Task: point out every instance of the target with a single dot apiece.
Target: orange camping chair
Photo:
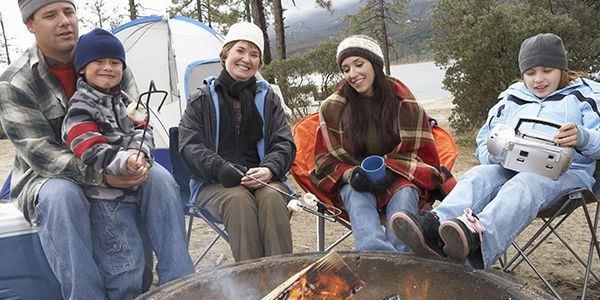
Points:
(304, 133)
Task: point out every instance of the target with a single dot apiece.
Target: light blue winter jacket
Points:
(577, 103)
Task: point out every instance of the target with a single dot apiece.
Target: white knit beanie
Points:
(246, 31)
(360, 45)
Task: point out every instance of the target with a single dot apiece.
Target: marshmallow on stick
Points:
(139, 114)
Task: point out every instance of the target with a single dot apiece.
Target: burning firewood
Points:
(328, 278)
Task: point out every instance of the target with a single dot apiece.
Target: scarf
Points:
(244, 91)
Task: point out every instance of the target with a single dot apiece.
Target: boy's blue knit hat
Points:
(96, 44)
(544, 50)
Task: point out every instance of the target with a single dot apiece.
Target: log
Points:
(328, 278)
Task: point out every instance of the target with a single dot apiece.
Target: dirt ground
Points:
(564, 272)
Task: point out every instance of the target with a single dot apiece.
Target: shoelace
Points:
(472, 222)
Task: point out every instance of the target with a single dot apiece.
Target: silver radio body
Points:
(521, 149)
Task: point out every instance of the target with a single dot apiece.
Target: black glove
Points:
(385, 182)
(359, 181)
(229, 176)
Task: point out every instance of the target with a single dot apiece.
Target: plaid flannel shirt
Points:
(32, 108)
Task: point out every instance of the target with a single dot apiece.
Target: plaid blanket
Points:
(415, 159)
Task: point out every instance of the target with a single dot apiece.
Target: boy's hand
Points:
(133, 164)
(137, 165)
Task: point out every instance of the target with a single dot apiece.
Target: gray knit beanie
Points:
(360, 45)
(29, 7)
(545, 50)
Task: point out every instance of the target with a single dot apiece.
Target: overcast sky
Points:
(19, 36)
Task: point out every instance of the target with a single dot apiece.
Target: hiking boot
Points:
(418, 232)
(462, 236)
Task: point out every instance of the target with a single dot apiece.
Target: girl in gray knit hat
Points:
(374, 117)
(497, 203)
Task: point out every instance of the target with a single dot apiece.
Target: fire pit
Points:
(383, 274)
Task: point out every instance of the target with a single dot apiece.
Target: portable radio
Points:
(528, 150)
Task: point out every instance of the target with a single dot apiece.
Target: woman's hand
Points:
(567, 134)
(261, 173)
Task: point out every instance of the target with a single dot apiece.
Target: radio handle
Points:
(536, 120)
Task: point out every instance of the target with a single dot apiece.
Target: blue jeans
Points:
(366, 223)
(94, 247)
(505, 202)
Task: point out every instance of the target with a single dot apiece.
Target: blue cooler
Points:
(24, 270)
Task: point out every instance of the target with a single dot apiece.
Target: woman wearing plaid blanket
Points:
(374, 114)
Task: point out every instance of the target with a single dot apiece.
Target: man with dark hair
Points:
(48, 178)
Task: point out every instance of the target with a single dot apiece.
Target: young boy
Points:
(97, 127)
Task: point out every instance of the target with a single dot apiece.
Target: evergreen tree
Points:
(479, 44)
(100, 15)
(375, 19)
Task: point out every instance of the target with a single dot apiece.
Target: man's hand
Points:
(125, 181)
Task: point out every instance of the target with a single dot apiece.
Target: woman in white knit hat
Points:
(490, 205)
(235, 126)
(374, 114)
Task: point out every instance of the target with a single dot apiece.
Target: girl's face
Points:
(242, 61)
(103, 73)
(359, 73)
(542, 81)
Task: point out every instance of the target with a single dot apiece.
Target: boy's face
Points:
(103, 73)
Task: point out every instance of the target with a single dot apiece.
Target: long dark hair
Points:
(385, 108)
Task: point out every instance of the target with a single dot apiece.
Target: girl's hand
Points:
(566, 135)
(261, 173)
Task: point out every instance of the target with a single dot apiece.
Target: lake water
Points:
(423, 79)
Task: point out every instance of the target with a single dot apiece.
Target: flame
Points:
(412, 289)
(326, 285)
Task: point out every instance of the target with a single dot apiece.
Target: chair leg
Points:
(189, 231)
(207, 249)
(593, 242)
(320, 234)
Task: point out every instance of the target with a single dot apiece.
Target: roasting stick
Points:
(295, 204)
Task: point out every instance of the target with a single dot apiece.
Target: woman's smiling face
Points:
(542, 81)
(359, 73)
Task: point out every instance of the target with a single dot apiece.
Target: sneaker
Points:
(418, 232)
(462, 236)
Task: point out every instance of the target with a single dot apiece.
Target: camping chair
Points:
(552, 218)
(182, 177)
(304, 133)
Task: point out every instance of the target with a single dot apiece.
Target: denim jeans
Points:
(366, 223)
(94, 247)
(505, 202)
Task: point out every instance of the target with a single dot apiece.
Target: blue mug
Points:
(374, 168)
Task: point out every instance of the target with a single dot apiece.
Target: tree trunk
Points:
(248, 11)
(258, 15)
(5, 40)
(199, 9)
(279, 29)
(386, 55)
(132, 10)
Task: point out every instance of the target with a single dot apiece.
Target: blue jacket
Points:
(577, 103)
